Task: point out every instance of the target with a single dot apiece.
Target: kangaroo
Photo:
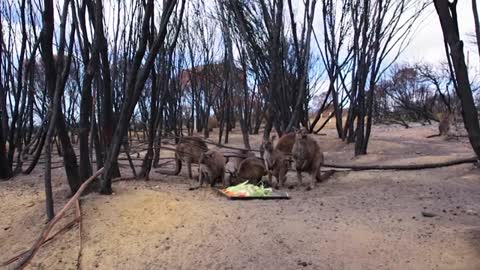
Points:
(444, 125)
(279, 168)
(276, 157)
(212, 166)
(189, 150)
(308, 157)
(252, 169)
(235, 157)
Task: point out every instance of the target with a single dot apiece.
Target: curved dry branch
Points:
(41, 239)
(354, 167)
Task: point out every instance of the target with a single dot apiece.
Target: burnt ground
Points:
(355, 220)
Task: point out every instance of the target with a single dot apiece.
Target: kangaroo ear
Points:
(303, 133)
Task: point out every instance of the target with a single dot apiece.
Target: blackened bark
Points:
(99, 150)
(69, 156)
(477, 23)
(303, 58)
(5, 169)
(244, 106)
(447, 15)
(86, 98)
(373, 75)
(31, 99)
(38, 151)
(56, 77)
(147, 161)
(106, 118)
(48, 177)
(56, 86)
(158, 136)
(154, 114)
(137, 78)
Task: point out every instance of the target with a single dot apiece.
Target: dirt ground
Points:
(355, 220)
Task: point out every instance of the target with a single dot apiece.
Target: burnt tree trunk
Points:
(59, 71)
(155, 112)
(147, 161)
(56, 75)
(448, 19)
(477, 23)
(244, 116)
(15, 128)
(137, 77)
(86, 96)
(107, 119)
(5, 169)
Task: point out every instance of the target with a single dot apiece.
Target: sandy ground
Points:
(355, 220)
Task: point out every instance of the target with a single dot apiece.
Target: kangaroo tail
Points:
(178, 165)
(325, 176)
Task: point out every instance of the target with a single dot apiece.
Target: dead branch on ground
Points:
(404, 167)
(78, 214)
(48, 240)
(36, 246)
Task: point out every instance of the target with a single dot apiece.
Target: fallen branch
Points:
(207, 141)
(79, 218)
(29, 255)
(48, 240)
(403, 167)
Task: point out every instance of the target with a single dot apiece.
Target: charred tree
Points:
(5, 169)
(447, 15)
(137, 77)
(477, 23)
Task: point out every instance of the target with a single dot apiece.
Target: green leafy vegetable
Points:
(245, 189)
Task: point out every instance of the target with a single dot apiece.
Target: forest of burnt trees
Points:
(77, 76)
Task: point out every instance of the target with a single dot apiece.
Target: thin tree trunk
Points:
(86, 97)
(55, 86)
(56, 81)
(99, 150)
(137, 79)
(48, 176)
(5, 169)
(126, 148)
(477, 23)
(147, 161)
